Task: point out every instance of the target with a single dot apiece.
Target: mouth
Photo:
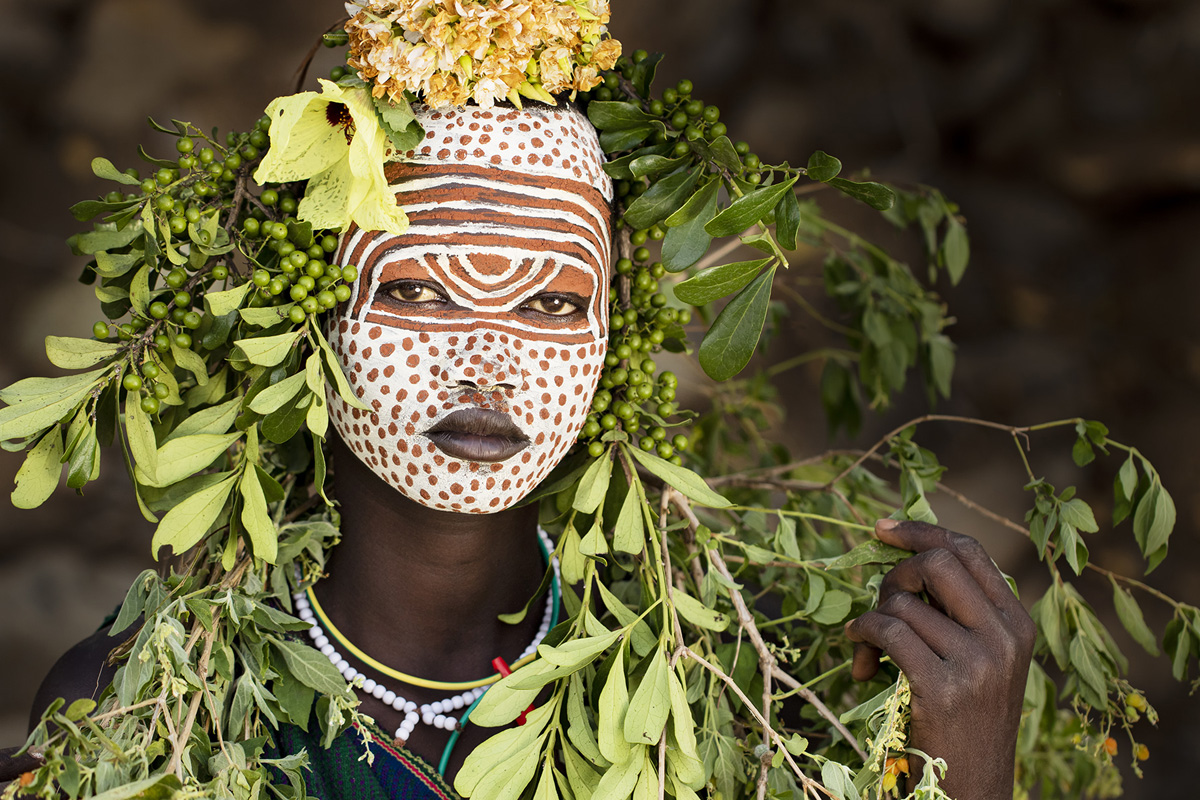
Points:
(476, 434)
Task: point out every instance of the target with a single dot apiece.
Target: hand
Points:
(966, 653)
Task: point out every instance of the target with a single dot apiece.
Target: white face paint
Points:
(477, 338)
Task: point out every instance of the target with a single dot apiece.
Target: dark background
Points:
(1068, 131)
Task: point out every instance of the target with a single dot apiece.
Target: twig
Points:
(770, 665)
(664, 504)
(186, 728)
(805, 781)
(1013, 430)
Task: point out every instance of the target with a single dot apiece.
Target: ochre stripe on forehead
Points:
(407, 177)
(473, 324)
(508, 220)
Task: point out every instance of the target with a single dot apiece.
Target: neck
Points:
(420, 590)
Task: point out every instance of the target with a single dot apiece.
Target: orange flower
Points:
(1110, 746)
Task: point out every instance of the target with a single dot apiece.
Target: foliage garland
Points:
(667, 675)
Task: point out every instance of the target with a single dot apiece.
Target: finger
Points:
(940, 633)
(948, 582)
(920, 537)
(866, 662)
(893, 636)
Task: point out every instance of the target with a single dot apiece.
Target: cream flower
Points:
(451, 52)
(334, 141)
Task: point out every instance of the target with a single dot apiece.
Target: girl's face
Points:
(477, 337)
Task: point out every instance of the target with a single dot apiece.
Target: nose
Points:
(483, 363)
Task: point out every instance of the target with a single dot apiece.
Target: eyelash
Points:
(394, 290)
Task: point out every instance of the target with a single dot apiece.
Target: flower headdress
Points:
(215, 271)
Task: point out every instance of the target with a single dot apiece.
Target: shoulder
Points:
(83, 671)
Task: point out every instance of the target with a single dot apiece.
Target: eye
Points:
(414, 292)
(555, 305)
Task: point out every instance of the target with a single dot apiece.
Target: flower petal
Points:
(303, 143)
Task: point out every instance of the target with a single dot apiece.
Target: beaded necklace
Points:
(324, 635)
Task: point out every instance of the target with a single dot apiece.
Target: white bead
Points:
(427, 718)
(439, 721)
(314, 632)
(467, 698)
(457, 702)
(379, 691)
(436, 707)
(327, 650)
(410, 708)
(307, 615)
(388, 697)
(451, 723)
(321, 641)
(369, 685)
(398, 703)
(342, 664)
(478, 692)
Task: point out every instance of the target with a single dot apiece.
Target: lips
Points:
(476, 434)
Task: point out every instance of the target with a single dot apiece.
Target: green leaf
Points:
(640, 636)
(941, 363)
(746, 211)
(835, 607)
(268, 351)
(1087, 664)
(629, 535)
(652, 165)
(38, 403)
(876, 195)
(160, 787)
(580, 729)
(733, 337)
(266, 316)
(956, 251)
(651, 703)
(310, 667)
(498, 749)
(611, 114)
(697, 613)
(334, 369)
(295, 700)
(683, 479)
(1130, 614)
(1127, 477)
(1078, 514)
(273, 398)
(264, 538)
(787, 221)
(594, 485)
(504, 702)
(869, 552)
(614, 702)
(663, 199)
(578, 652)
(823, 167)
(114, 265)
(103, 168)
(38, 477)
(717, 282)
(211, 420)
(186, 523)
(140, 431)
(183, 457)
(221, 303)
(399, 123)
(191, 361)
(687, 241)
(71, 353)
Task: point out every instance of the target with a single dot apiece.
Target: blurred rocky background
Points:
(1068, 130)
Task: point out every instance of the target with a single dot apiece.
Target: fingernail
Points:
(886, 524)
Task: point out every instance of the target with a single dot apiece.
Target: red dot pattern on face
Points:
(413, 367)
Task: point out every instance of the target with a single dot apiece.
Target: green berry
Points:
(161, 391)
(183, 300)
(315, 269)
(665, 450)
(176, 278)
(619, 375)
(164, 176)
(298, 258)
(326, 299)
(596, 449)
(131, 382)
(100, 330)
(162, 343)
(269, 197)
(641, 254)
(287, 204)
(251, 226)
(220, 272)
(329, 243)
(670, 96)
(646, 443)
(680, 441)
(296, 315)
(684, 87)
(342, 293)
(185, 144)
(608, 422)
(192, 320)
(349, 273)
(159, 310)
(591, 429)
(150, 370)
(178, 225)
(261, 277)
(298, 293)
(276, 287)
(679, 120)
(150, 405)
(718, 130)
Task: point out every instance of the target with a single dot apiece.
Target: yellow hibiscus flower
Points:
(333, 140)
